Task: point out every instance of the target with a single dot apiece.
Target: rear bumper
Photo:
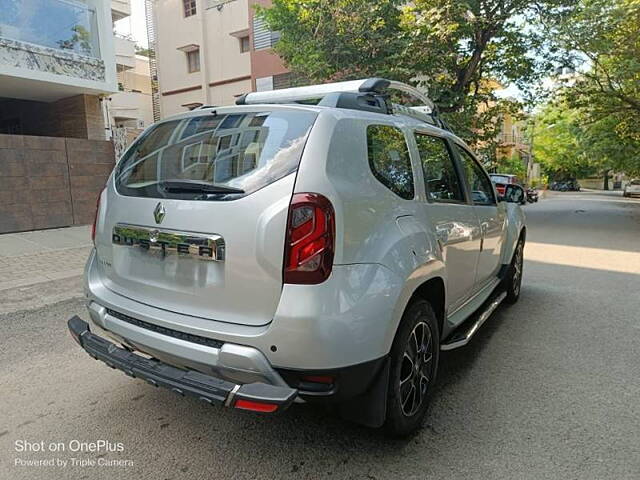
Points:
(347, 320)
(255, 396)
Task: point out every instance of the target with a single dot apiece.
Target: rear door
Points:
(196, 214)
(490, 215)
(451, 215)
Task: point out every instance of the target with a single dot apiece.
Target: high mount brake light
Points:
(95, 218)
(310, 240)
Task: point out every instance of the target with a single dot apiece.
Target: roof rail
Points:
(374, 87)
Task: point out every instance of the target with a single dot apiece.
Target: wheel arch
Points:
(428, 287)
(434, 292)
(523, 232)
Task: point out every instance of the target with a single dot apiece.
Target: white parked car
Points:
(310, 244)
(632, 188)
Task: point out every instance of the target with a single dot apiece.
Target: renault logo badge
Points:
(159, 213)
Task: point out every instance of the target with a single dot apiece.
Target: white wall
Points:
(221, 58)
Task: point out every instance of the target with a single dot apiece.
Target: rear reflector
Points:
(255, 406)
(326, 379)
(310, 239)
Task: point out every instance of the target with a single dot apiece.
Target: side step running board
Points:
(461, 337)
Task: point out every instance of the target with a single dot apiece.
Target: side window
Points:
(441, 180)
(389, 159)
(479, 183)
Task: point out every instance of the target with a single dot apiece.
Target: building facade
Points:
(130, 110)
(131, 106)
(56, 59)
(57, 64)
(211, 51)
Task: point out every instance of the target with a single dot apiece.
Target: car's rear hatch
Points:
(194, 217)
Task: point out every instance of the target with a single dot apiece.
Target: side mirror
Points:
(513, 194)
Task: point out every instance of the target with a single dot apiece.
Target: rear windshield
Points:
(240, 153)
(500, 179)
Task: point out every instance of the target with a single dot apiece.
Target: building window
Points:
(189, 7)
(193, 61)
(245, 46)
(262, 36)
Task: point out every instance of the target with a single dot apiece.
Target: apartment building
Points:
(514, 144)
(57, 63)
(211, 51)
(131, 106)
(130, 110)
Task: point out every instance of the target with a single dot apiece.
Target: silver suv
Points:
(313, 244)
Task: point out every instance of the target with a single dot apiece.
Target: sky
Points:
(135, 25)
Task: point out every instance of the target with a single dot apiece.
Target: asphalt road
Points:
(549, 388)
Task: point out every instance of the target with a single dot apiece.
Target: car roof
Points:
(405, 120)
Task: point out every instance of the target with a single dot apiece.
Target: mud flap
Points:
(370, 408)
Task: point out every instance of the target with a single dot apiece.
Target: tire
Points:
(513, 279)
(411, 369)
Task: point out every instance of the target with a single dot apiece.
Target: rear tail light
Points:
(95, 219)
(310, 239)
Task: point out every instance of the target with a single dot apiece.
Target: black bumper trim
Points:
(350, 381)
(184, 382)
(188, 337)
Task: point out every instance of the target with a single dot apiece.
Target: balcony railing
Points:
(67, 25)
(510, 138)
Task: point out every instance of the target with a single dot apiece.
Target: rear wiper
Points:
(187, 186)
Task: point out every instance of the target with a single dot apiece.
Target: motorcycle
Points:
(532, 195)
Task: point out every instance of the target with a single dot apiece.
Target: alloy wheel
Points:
(416, 370)
(517, 269)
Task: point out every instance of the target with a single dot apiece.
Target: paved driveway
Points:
(549, 389)
(33, 257)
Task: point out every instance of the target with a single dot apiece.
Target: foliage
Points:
(603, 38)
(569, 144)
(511, 164)
(599, 115)
(145, 52)
(81, 38)
(455, 50)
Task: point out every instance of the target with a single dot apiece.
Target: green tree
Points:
(455, 50)
(568, 143)
(555, 143)
(81, 37)
(512, 165)
(140, 50)
(602, 38)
